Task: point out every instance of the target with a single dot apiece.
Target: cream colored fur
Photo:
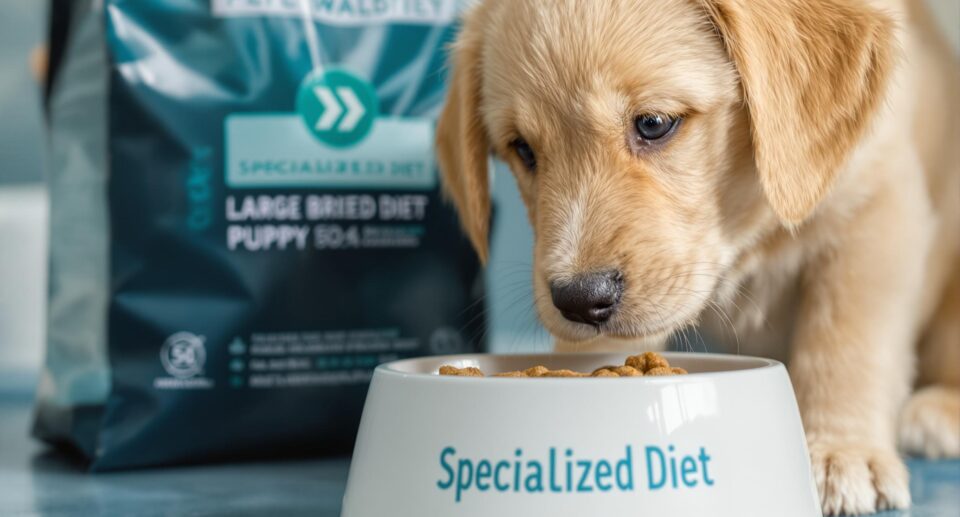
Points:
(810, 197)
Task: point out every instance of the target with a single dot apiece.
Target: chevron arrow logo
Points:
(331, 108)
(338, 107)
(355, 109)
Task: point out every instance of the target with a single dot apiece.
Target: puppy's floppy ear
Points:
(813, 73)
(462, 145)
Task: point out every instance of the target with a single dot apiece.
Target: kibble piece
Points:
(647, 361)
(604, 372)
(610, 368)
(627, 371)
(563, 373)
(469, 371)
(678, 371)
(655, 360)
(660, 370)
(536, 371)
(511, 374)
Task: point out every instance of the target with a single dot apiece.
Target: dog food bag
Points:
(246, 220)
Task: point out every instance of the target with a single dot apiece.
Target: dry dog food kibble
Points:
(648, 363)
(469, 371)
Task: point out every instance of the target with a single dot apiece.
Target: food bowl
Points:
(724, 440)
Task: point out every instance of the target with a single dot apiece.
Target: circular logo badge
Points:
(338, 107)
(183, 355)
(445, 340)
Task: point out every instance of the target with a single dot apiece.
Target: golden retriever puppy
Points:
(792, 164)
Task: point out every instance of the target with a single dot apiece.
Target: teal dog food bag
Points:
(246, 220)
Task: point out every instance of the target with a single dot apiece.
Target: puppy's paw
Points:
(854, 479)
(930, 423)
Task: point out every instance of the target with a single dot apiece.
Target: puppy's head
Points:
(654, 140)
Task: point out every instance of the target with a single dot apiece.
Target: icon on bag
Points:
(446, 340)
(237, 346)
(338, 107)
(183, 355)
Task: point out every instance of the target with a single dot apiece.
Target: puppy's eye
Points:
(652, 127)
(525, 153)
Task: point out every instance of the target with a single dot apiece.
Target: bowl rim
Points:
(752, 364)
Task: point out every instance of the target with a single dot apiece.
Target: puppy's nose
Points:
(591, 298)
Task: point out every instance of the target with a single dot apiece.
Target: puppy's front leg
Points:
(852, 353)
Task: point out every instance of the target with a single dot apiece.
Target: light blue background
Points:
(21, 29)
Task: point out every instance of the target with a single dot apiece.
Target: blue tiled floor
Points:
(36, 482)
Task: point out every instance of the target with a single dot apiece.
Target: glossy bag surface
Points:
(246, 220)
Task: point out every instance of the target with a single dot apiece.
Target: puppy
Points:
(786, 170)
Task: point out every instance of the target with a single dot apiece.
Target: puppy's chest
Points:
(754, 309)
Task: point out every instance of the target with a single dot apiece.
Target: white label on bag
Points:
(275, 150)
(346, 12)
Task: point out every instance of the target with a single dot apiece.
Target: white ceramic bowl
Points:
(725, 440)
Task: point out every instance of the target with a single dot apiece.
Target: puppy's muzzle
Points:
(590, 298)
